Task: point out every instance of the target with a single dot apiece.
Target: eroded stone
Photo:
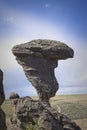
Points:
(2, 95)
(33, 113)
(2, 98)
(39, 58)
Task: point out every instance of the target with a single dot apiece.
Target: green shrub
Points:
(29, 126)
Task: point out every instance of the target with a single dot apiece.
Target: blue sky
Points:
(62, 20)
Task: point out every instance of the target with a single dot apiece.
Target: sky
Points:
(63, 20)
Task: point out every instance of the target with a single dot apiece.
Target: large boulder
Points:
(39, 59)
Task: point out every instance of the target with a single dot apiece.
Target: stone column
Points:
(2, 98)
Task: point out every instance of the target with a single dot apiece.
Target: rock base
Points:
(29, 114)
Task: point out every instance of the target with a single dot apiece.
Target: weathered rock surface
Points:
(2, 98)
(39, 59)
(2, 95)
(35, 115)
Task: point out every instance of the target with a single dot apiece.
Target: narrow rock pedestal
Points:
(39, 58)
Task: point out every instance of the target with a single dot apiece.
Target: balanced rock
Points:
(39, 58)
(2, 98)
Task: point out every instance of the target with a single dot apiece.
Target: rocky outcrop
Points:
(35, 115)
(2, 98)
(2, 95)
(39, 58)
(14, 95)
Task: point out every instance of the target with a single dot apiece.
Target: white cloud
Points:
(29, 90)
(72, 90)
(25, 28)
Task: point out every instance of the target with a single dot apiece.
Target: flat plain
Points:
(73, 106)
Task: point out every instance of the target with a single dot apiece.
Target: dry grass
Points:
(74, 106)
